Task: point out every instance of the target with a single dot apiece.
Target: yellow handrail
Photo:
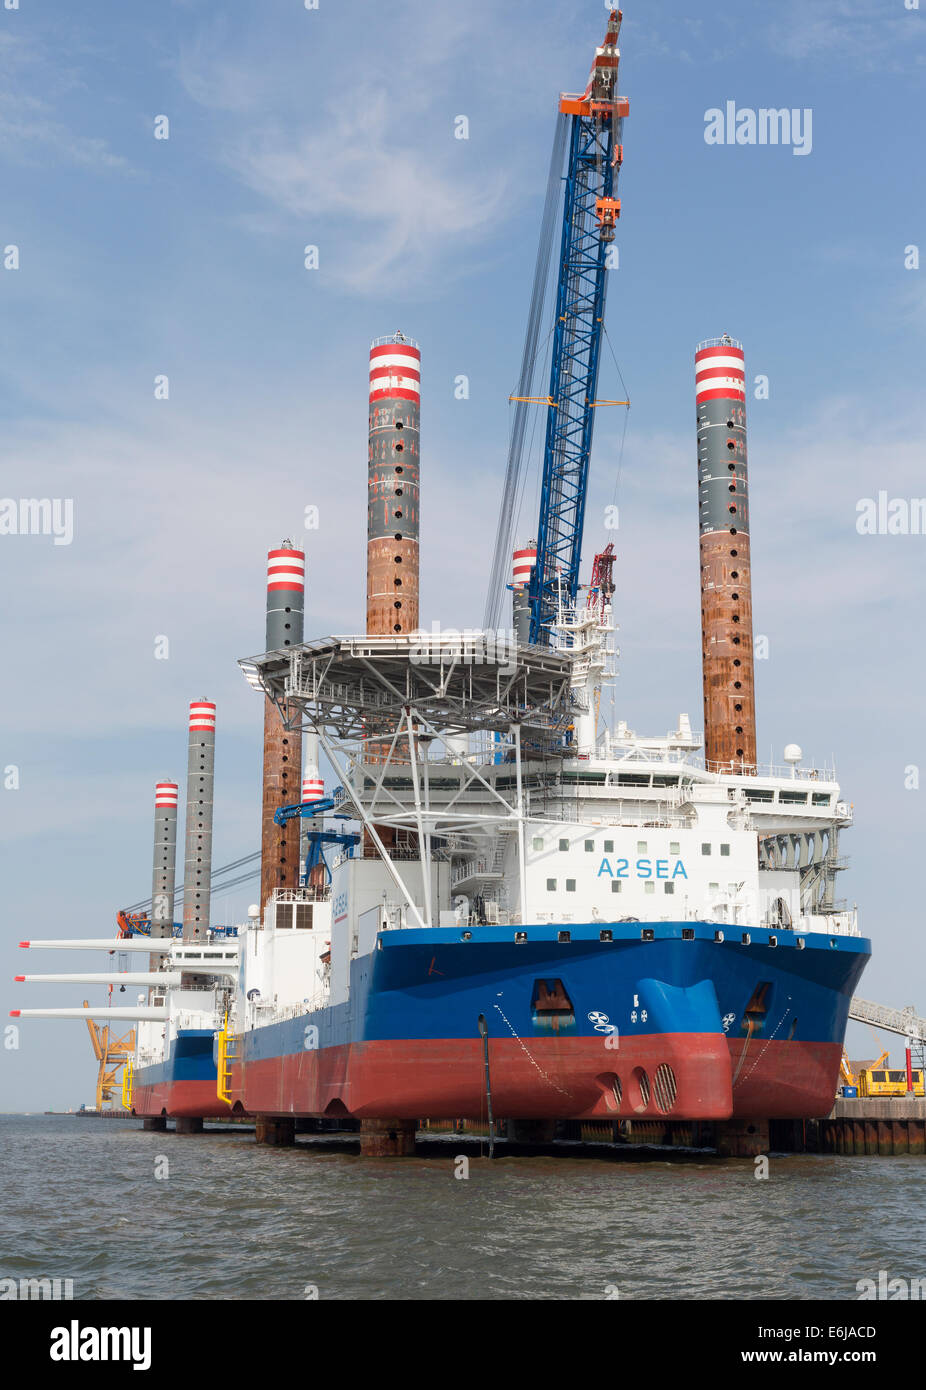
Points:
(128, 1082)
(226, 1043)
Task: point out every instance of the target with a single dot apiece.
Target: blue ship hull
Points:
(681, 1019)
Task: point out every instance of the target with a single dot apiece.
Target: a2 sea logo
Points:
(643, 869)
(339, 907)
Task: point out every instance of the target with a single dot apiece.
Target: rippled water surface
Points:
(81, 1201)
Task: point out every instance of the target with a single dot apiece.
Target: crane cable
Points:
(502, 553)
(216, 887)
(620, 456)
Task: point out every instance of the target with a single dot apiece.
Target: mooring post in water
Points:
(484, 1034)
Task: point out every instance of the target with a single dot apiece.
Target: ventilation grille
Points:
(664, 1088)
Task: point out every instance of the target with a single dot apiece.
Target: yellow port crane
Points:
(849, 1076)
(112, 1053)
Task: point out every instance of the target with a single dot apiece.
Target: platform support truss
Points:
(410, 753)
(390, 711)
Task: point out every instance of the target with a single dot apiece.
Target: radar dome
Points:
(793, 753)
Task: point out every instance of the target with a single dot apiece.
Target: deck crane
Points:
(316, 840)
(590, 212)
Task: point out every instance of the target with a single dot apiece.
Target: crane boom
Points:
(590, 213)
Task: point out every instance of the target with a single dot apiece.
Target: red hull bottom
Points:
(190, 1099)
(559, 1078)
(676, 1076)
(784, 1080)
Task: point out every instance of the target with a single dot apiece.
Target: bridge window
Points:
(570, 885)
(537, 842)
(564, 845)
(725, 851)
(551, 885)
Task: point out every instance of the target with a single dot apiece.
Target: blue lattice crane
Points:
(590, 213)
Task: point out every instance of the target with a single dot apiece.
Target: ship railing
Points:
(207, 1019)
(277, 1013)
(795, 774)
(725, 341)
(774, 772)
(495, 916)
(403, 853)
(394, 339)
(310, 894)
(473, 868)
(830, 923)
(643, 816)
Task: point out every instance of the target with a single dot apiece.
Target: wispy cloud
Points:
(385, 208)
(30, 127)
(882, 38)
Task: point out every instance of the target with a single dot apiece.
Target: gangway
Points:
(904, 1022)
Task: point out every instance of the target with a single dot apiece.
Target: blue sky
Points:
(334, 127)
